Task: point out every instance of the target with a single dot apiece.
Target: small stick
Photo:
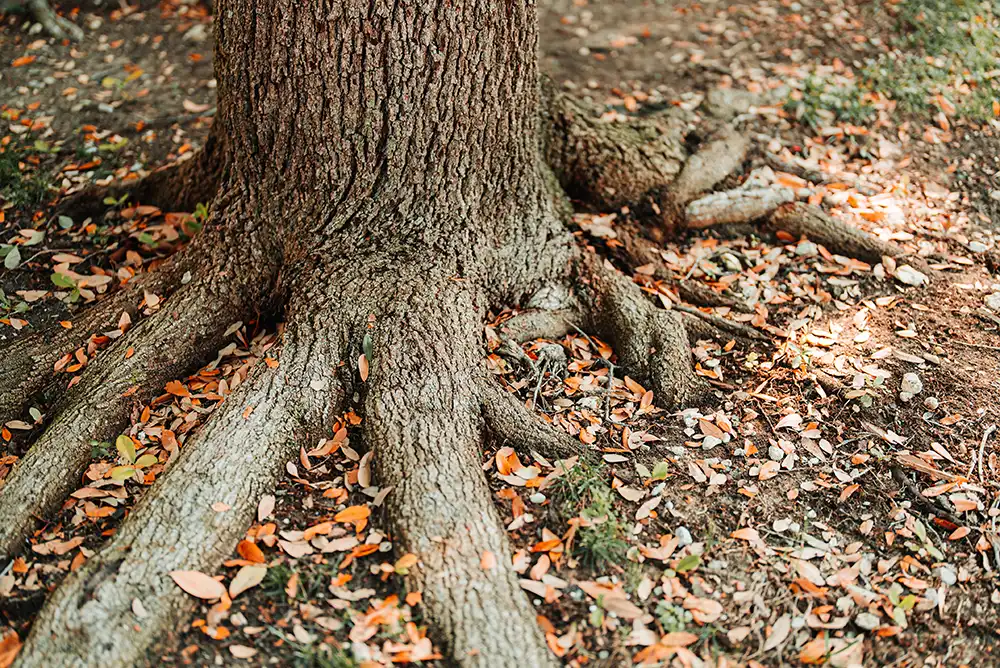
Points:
(982, 447)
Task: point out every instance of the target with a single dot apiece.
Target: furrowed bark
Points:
(188, 329)
(609, 164)
(425, 426)
(90, 619)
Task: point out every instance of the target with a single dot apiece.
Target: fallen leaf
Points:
(198, 584)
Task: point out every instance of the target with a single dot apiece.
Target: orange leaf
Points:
(177, 389)
(363, 367)
(352, 514)
(250, 551)
(10, 645)
(959, 533)
(23, 60)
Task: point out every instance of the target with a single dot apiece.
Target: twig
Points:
(982, 447)
(975, 345)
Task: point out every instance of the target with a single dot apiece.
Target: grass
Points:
(821, 102)
(940, 44)
(17, 187)
(584, 491)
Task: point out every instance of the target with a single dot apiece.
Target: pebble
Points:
(684, 536)
(537, 497)
(931, 403)
(867, 621)
(947, 576)
(993, 301)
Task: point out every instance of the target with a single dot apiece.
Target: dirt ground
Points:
(807, 514)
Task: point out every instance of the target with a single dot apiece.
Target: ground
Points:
(807, 512)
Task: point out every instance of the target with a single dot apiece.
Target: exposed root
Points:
(736, 206)
(91, 618)
(805, 220)
(715, 325)
(426, 429)
(179, 186)
(609, 164)
(716, 159)
(26, 364)
(165, 346)
(53, 24)
(650, 342)
(511, 423)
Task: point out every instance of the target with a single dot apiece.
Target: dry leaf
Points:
(198, 584)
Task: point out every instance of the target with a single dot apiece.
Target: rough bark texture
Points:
(188, 329)
(26, 365)
(607, 163)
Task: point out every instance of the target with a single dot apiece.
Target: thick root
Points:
(91, 619)
(165, 346)
(611, 164)
(719, 157)
(735, 206)
(650, 342)
(180, 186)
(511, 423)
(27, 364)
(805, 220)
(53, 24)
(425, 425)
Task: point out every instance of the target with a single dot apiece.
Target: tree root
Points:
(426, 430)
(735, 206)
(715, 325)
(511, 423)
(650, 342)
(91, 618)
(26, 365)
(53, 24)
(165, 346)
(610, 164)
(716, 159)
(805, 220)
(179, 186)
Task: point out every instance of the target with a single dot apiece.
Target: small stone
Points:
(537, 497)
(910, 276)
(867, 621)
(978, 247)
(775, 453)
(993, 301)
(806, 249)
(947, 576)
(684, 536)
(912, 384)
(931, 403)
